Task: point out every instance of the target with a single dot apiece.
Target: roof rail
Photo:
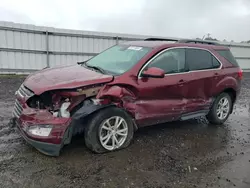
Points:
(160, 39)
(198, 41)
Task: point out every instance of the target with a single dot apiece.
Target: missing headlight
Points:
(42, 101)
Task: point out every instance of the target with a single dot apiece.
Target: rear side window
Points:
(200, 60)
(227, 54)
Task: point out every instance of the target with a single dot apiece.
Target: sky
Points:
(223, 19)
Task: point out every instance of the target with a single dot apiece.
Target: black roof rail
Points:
(198, 41)
(160, 39)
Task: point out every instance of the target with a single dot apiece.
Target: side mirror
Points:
(153, 72)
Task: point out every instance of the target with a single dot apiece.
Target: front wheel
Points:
(108, 130)
(221, 109)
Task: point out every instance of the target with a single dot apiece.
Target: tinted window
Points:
(171, 61)
(198, 59)
(228, 56)
(216, 63)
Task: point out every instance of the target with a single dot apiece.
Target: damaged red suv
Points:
(127, 86)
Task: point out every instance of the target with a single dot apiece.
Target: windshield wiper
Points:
(99, 69)
(81, 62)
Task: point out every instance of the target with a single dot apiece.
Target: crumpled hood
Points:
(66, 77)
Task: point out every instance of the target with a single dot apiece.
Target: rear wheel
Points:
(108, 130)
(221, 109)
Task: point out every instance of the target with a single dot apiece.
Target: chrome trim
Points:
(24, 91)
(186, 47)
(14, 114)
(19, 93)
(18, 109)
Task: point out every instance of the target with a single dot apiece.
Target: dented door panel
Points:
(198, 97)
(161, 99)
(149, 112)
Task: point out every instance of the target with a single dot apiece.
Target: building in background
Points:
(27, 48)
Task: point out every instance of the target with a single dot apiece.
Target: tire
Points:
(95, 130)
(212, 116)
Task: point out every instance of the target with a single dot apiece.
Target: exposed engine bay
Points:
(53, 102)
(62, 103)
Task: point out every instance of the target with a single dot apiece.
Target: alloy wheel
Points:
(113, 133)
(223, 108)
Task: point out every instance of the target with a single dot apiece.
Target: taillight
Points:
(240, 74)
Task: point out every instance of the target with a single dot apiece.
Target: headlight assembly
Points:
(40, 130)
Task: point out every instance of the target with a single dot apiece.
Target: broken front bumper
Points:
(48, 145)
(25, 118)
(43, 147)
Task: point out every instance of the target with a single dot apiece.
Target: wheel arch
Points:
(232, 93)
(212, 116)
(82, 115)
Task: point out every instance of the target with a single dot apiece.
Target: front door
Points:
(162, 99)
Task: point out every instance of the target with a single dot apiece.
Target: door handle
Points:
(216, 76)
(181, 83)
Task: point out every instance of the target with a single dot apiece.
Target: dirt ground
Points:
(180, 154)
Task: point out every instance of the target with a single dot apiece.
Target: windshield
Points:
(118, 59)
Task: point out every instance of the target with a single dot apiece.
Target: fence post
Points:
(117, 40)
(47, 49)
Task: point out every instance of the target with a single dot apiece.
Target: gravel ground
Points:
(180, 154)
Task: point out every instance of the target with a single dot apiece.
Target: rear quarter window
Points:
(216, 63)
(227, 54)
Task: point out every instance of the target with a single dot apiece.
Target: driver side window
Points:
(171, 61)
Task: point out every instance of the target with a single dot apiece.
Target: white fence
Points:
(25, 48)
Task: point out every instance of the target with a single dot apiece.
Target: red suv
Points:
(127, 86)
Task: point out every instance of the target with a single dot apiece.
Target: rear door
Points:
(162, 99)
(204, 73)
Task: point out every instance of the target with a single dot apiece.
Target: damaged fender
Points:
(80, 116)
(121, 96)
(87, 108)
(107, 97)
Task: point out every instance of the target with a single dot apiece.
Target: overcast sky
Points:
(223, 19)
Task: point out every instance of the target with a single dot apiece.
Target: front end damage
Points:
(49, 120)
